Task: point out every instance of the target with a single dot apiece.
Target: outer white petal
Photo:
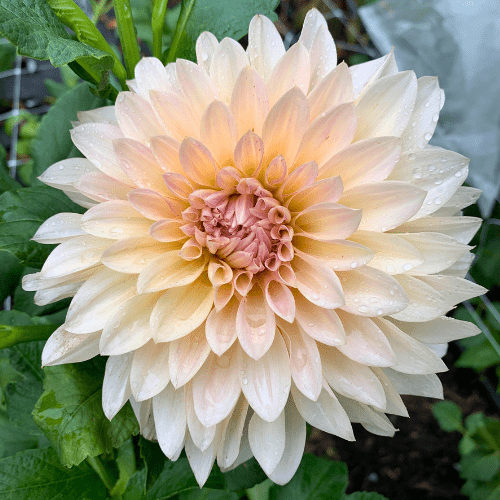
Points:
(325, 414)
(202, 461)
(323, 56)
(59, 228)
(65, 347)
(265, 47)
(64, 173)
(150, 74)
(363, 75)
(266, 382)
(51, 295)
(202, 436)
(206, 44)
(463, 197)
(295, 431)
(106, 114)
(394, 403)
(149, 374)
(267, 441)
(170, 417)
(428, 386)
(116, 384)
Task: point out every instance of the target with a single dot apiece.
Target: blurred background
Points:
(458, 41)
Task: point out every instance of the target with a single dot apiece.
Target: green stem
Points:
(96, 464)
(186, 11)
(157, 22)
(126, 32)
(101, 8)
(12, 335)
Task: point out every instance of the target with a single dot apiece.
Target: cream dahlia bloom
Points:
(269, 240)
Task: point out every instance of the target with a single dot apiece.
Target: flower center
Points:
(246, 227)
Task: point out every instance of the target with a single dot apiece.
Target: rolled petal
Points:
(128, 329)
(98, 299)
(280, 300)
(186, 357)
(116, 384)
(385, 205)
(365, 342)
(216, 388)
(170, 416)
(394, 404)
(267, 441)
(318, 284)
(386, 106)
(326, 413)
(366, 161)
(202, 436)
(265, 47)
(65, 347)
(321, 324)
(370, 292)
(266, 381)
(168, 271)
(181, 310)
(350, 378)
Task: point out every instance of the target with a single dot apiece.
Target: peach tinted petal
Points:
(248, 153)
(166, 151)
(101, 187)
(220, 327)
(197, 162)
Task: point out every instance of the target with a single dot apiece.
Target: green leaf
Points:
(21, 214)
(479, 467)
(38, 474)
(7, 183)
(7, 56)
(315, 479)
(448, 415)
(230, 18)
(244, 476)
(260, 491)
(207, 494)
(70, 413)
(53, 142)
(474, 422)
(365, 495)
(136, 486)
(14, 438)
(479, 357)
(154, 460)
(10, 272)
(33, 27)
(125, 461)
(177, 477)
(466, 445)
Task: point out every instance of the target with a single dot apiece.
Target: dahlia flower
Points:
(269, 241)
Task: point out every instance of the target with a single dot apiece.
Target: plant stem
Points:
(126, 32)
(100, 8)
(186, 11)
(96, 464)
(157, 22)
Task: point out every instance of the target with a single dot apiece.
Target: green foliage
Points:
(21, 214)
(38, 474)
(365, 495)
(316, 479)
(7, 183)
(224, 19)
(7, 56)
(479, 448)
(70, 413)
(32, 26)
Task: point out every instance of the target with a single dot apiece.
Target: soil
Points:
(421, 460)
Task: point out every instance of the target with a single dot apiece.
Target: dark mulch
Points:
(421, 460)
